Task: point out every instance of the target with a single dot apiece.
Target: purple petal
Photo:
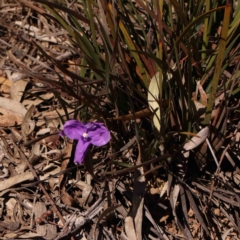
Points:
(73, 129)
(81, 151)
(92, 126)
(98, 134)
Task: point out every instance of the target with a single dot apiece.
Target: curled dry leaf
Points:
(203, 95)
(197, 140)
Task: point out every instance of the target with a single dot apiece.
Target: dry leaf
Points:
(17, 90)
(28, 124)
(46, 230)
(5, 85)
(154, 94)
(65, 197)
(197, 140)
(26, 176)
(130, 229)
(203, 95)
(11, 112)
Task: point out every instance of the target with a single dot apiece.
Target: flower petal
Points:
(73, 129)
(98, 134)
(92, 126)
(81, 151)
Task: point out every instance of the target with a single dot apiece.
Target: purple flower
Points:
(90, 133)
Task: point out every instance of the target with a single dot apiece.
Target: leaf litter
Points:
(43, 195)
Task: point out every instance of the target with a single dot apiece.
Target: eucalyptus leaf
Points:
(154, 94)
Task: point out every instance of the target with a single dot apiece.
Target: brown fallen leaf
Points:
(203, 95)
(5, 85)
(17, 90)
(46, 230)
(11, 112)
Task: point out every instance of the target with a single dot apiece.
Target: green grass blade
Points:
(195, 21)
(219, 62)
